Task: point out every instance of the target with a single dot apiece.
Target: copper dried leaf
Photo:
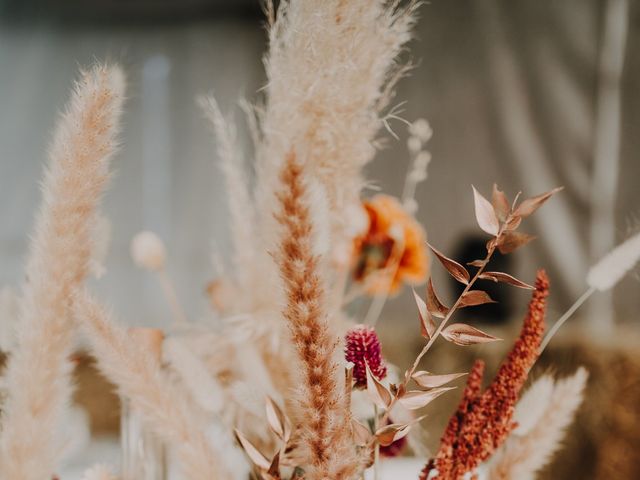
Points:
(415, 399)
(378, 393)
(464, 335)
(257, 458)
(427, 324)
(429, 380)
(391, 433)
(476, 263)
(456, 270)
(511, 241)
(475, 297)
(485, 214)
(361, 433)
(530, 205)
(434, 305)
(278, 422)
(513, 222)
(500, 203)
(505, 278)
(274, 468)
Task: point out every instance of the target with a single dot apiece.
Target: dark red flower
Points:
(362, 348)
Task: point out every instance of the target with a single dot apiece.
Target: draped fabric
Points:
(510, 87)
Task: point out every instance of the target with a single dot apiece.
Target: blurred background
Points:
(529, 94)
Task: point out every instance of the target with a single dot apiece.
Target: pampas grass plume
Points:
(38, 371)
(137, 373)
(526, 452)
(321, 406)
(203, 387)
(239, 200)
(605, 274)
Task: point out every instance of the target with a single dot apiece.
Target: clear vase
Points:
(144, 455)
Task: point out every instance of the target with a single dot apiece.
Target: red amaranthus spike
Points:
(484, 420)
(362, 348)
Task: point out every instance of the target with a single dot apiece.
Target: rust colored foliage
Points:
(483, 421)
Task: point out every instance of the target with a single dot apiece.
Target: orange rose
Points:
(392, 251)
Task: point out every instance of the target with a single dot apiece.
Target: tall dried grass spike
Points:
(137, 373)
(60, 256)
(323, 412)
(331, 67)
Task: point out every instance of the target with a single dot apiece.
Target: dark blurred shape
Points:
(124, 11)
(473, 247)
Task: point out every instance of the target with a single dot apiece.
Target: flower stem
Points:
(376, 448)
(556, 326)
(172, 298)
(436, 334)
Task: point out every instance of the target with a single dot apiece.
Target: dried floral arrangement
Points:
(287, 385)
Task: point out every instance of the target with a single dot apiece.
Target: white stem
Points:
(379, 301)
(565, 317)
(172, 298)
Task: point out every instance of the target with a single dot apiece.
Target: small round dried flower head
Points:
(147, 251)
(362, 348)
(421, 129)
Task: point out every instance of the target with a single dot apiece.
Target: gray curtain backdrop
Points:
(512, 90)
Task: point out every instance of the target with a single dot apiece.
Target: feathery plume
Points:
(483, 422)
(362, 348)
(615, 264)
(60, 256)
(136, 372)
(205, 390)
(325, 435)
(602, 276)
(331, 67)
(99, 472)
(239, 200)
(524, 454)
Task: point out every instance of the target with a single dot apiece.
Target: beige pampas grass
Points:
(532, 445)
(99, 472)
(330, 70)
(206, 391)
(239, 199)
(614, 265)
(137, 373)
(60, 256)
(322, 408)
(603, 276)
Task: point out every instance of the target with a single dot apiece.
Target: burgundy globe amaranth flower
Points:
(362, 348)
